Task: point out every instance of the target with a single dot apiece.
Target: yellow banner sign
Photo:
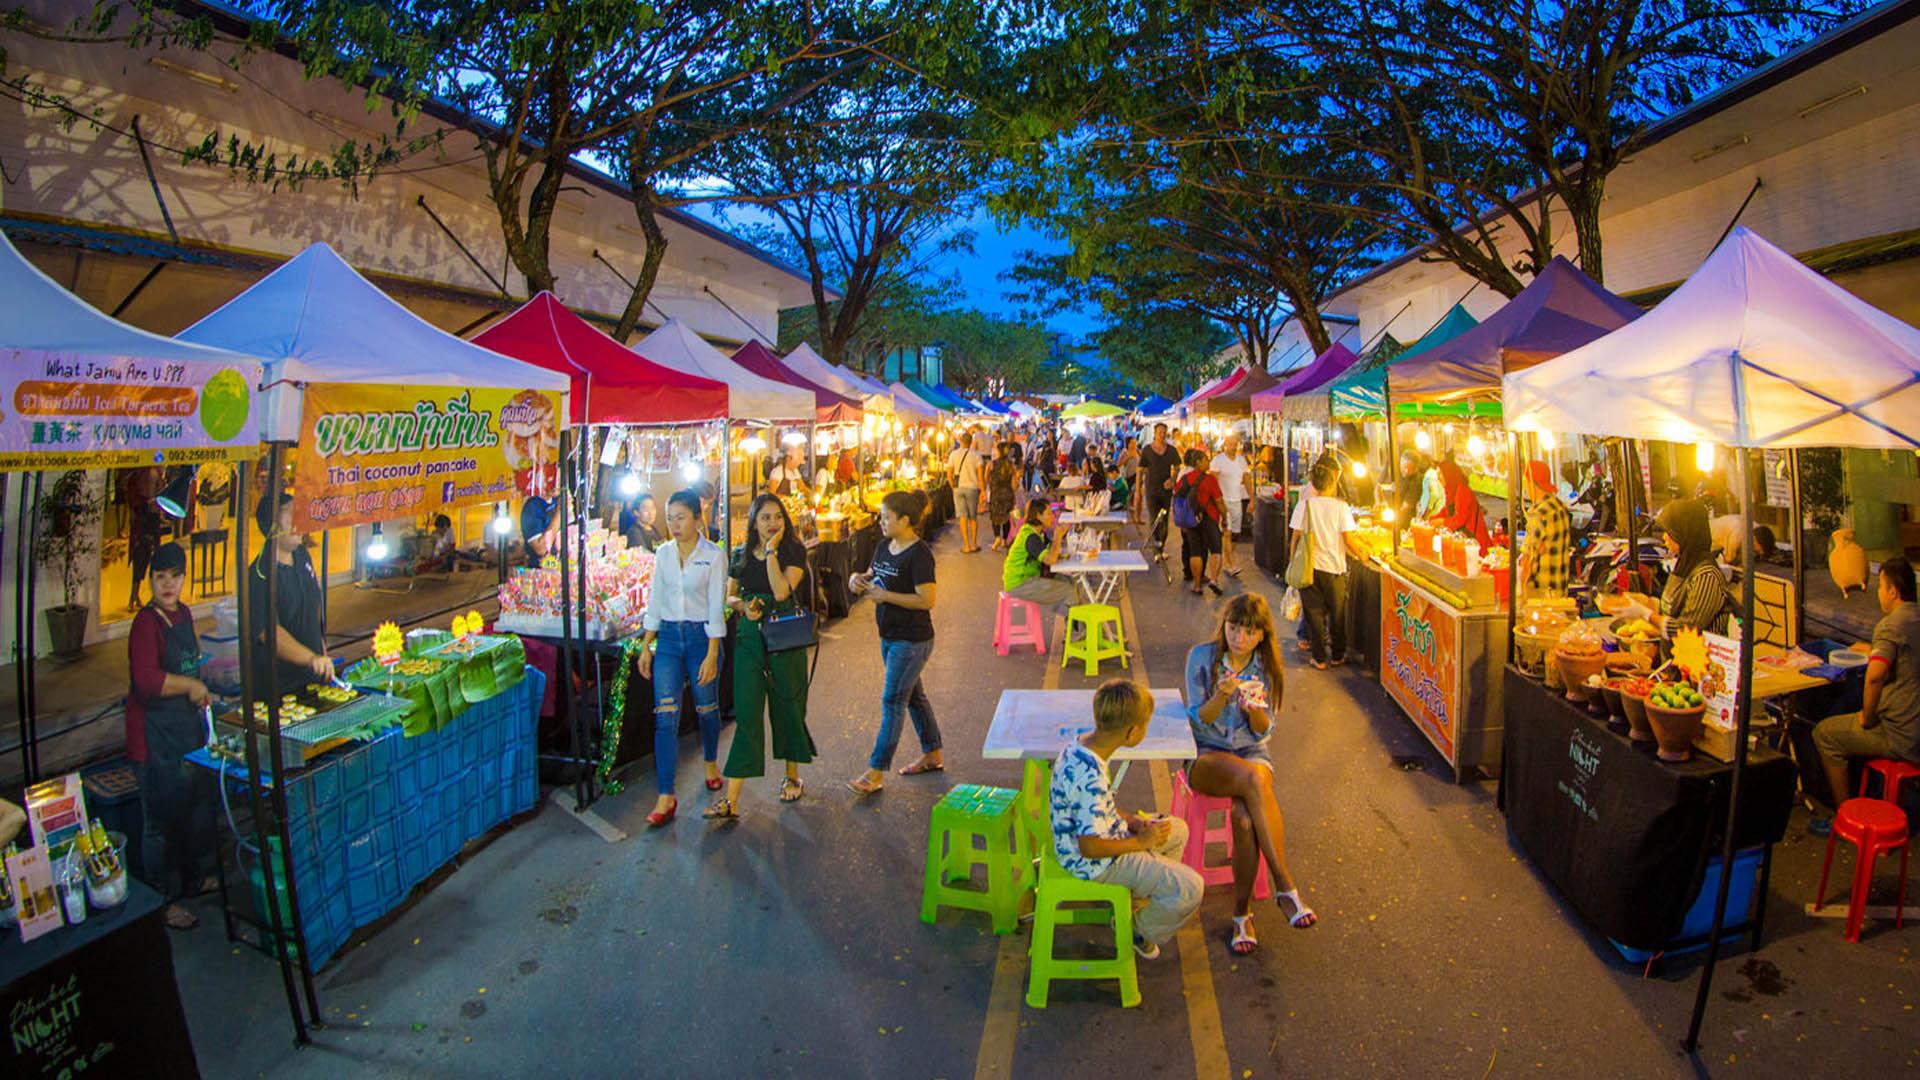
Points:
(376, 453)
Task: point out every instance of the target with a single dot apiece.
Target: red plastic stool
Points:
(1892, 774)
(1030, 629)
(1195, 809)
(1875, 827)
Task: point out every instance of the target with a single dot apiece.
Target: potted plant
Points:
(69, 535)
(213, 493)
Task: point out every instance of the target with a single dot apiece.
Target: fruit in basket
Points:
(1636, 630)
(1676, 696)
(1674, 710)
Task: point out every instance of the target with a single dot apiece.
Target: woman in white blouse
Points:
(685, 622)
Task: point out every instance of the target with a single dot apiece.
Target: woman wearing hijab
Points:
(1696, 592)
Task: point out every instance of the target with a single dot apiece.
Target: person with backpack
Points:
(1198, 511)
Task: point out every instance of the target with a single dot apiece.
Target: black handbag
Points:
(789, 630)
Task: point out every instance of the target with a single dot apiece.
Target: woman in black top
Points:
(901, 583)
(767, 575)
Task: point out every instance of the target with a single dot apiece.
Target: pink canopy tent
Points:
(610, 384)
(829, 407)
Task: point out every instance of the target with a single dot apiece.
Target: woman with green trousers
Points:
(767, 573)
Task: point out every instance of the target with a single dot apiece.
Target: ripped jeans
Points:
(680, 649)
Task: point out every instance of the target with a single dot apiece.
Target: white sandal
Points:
(1243, 942)
(1303, 916)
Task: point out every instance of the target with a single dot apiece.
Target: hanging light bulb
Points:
(629, 484)
(1422, 441)
(501, 524)
(1476, 446)
(792, 438)
(753, 444)
(1387, 515)
(1703, 456)
(1359, 470)
(690, 471)
(377, 549)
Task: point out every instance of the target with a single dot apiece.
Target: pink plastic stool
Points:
(1194, 808)
(1030, 629)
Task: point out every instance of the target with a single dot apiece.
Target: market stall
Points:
(86, 979)
(385, 417)
(1754, 351)
(646, 425)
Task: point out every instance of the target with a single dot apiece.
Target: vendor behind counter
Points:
(296, 650)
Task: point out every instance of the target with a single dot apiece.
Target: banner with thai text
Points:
(376, 453)
(1420, 666)
(62, 410)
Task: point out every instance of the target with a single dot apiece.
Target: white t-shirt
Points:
(963, 464)
(1231, 472)
(1332, 520)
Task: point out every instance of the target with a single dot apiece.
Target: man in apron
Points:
(166, 720)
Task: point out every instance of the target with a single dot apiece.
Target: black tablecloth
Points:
(832, 565)
(98, 997)
(1270, 535)
(1621, 834)
(1363, 611)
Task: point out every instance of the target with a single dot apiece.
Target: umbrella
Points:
(1098, 410)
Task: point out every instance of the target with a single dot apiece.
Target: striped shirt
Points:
(1699, 601)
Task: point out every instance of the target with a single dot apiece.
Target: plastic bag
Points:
(1290, 605)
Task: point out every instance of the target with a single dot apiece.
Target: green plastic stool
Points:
(1056, 888)
(990, 813)
(1093, 645)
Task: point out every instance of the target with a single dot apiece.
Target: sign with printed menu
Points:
(71, 410)
(1720, 686)
(375, 453)
(1420, 666)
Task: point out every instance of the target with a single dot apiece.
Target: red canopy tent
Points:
(611, 384)
(830, 407)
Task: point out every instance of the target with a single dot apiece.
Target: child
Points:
(1094, 843)
(164, 722)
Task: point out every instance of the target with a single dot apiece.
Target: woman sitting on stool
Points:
(1233, 690)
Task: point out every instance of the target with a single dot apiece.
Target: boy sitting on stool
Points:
(1094, 843)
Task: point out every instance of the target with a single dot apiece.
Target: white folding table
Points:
(1033, 726)
(1098, 576)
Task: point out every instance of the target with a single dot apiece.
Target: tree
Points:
(1166, 352)
(866, 177)
(1440, 93)
(980, 352)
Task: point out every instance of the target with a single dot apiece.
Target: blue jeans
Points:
(680, 649)
(903, 693)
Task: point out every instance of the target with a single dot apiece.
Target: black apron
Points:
(174, 725)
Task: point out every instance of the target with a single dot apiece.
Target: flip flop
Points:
(919, 767)
(791, 789)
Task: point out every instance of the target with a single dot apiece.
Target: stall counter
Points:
(1625, 837)
(1442, 664)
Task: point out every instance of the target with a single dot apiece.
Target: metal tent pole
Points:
(1743, 705)
(1516, 507)
(263, 847)
(1796, 533)
(569, 707)
(585, 468)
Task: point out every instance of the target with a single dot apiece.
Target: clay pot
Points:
(1675, 729)
(1640, 729)
(1610, 693)
(1574, 671)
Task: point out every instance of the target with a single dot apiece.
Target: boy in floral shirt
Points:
(1094, 843)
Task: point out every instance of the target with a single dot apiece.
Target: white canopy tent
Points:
(867, 382)
(750, 396)
(810, 365)
(911, 405)
(1754, 350)
(315, 319)
(1022, 409)
(40, 314)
